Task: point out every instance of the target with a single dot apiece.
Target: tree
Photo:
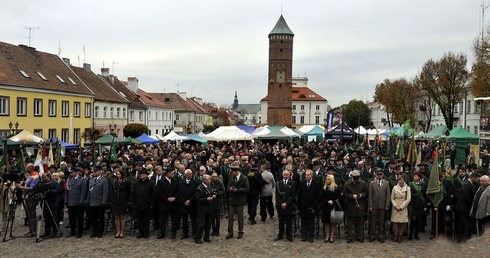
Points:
(480, 80)
(397, 98)
(445, 82)
(356, 113)
(135, 130)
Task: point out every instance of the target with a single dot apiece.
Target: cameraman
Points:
(47, 190)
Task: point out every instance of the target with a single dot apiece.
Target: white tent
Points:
(172, 136)
(228, 133)
(306, 128)
(260, 131)
(372, 134)
(289, 132)
(360, 130)
(26, 137)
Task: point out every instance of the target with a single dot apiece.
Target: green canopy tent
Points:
(195, 138)
(275, 134)
(462, 138)
(108, 138)
(316, 132)
(134, 140)
(438, 132)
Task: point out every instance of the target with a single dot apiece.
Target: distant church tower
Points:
(279, 90)
(235, 102)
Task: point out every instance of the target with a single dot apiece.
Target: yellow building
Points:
(40, 93)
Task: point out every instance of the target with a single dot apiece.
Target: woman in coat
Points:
(417, 205)
(400, 199)
(331, 194)
(120, 191)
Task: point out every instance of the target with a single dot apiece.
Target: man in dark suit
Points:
(157, 176)
(285, 194)
(166, 197)
(463, 207)
(355, 192)
(204, 200)
(98, 194)
(143, 200)
(187, 203)
(76, 192)
(378, 204)
(237, 189)
(308, 199)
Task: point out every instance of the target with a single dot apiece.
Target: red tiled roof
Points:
(150, 100)
(173, 100)
(302, 94)
(14, 59)
(135, 100)
(102, 90)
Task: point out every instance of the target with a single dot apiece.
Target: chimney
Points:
(199, 101)
(67, 61)
(133, 84)
(182, 94)
(86, 67)
(104, 71)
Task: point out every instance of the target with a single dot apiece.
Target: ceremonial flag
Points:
(22, 161)
(400, 149)
(58, 154)
(4, 160)
(434, 191)
(45, 157)
(50, 155)
(412, 151)
(112, 153)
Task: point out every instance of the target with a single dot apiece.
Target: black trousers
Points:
(203, 225)
(215, 220)
(266, 206)
(185, 223)
(357, 223)
(164, 220)
(156, 217)
(143, 217)
(252, 202)
(285, 221)
(307, 226)
(75, 216)
(97, 219)
(50, 215)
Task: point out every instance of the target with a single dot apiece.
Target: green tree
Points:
(480, 80)
(135, 130)
(356, 113)
(445, 82)
(397, 98)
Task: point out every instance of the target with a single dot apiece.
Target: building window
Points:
(65, 108)
(64, 135)
(76, 136)
(317, 107)
(88, 109)
(294, 119)
(475, 128)
(468, 108)
(76, 109)
(461, 108)
(141, 115)
(38, 107)
(149, 115)
(476, 109)
(131, 115)
(118, 112)
(51, 133)
(105, 112)
(156, 131)
(176, 117)
(21, 106)
(112, 112)
(124, 113)
(38, 133)
(317, 120)
(302, 119)
(302, 107)
(149, 132)
(52, 108)
(96, 112)
(294, 107)
(4, 105)
(156, 115)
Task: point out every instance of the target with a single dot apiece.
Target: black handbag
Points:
(337, 216)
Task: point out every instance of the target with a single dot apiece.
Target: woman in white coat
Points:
(400, 198)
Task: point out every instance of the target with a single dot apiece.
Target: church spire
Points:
(235, 101)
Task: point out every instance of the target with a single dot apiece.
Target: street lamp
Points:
(112, 127)
(13, 130)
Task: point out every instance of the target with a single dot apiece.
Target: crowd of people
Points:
(303, 184)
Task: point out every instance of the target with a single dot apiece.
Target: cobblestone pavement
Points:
(257, 242)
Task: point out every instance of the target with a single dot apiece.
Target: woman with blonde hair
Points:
(331, 194)
(400, 199)
(58, 177)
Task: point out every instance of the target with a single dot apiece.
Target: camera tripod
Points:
(44, 204)
(10, 216)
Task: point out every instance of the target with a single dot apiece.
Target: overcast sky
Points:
(211, 48)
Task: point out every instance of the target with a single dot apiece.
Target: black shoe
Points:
(416, 237)
(432, 236)
(139, 236)
(184, 236)
(230, 235)
(290, 239)
(360, 240)
(79, 235)
(160, 236)
(263, 219)
(240, 235)
(310, 239)
(381, 240)
(173, 236)
(371, 239)
(303, 239)
(410, 237)
(349, 240)
(217, 233)
(145, 236)
(198, 241)
(93, 235)
(278, 238)
(70, 235)
(99, 236)
(253, 222)
(207, 240)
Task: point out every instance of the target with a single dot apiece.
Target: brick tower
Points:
(279, 89)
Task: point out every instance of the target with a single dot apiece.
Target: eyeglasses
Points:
(379, 174)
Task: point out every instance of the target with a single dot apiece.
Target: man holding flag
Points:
(435, 193)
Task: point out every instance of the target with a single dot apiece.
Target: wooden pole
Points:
(437, 222)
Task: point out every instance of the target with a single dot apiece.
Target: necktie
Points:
(308, 185)
(379, 182)
(158, 179)
(236, 179)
